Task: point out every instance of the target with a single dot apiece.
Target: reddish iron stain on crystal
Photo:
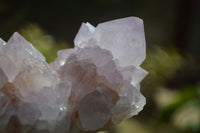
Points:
(88, 88)
(14, 125)
(10, 90)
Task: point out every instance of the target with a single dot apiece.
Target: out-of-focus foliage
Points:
(187, 117)
(45, 43)
(161, 64)
(186, 95)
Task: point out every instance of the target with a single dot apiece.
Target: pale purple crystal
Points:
(3, 80)
(4, 104)
(87, 88)
(94, 111)
(84, 34)
(123, 37)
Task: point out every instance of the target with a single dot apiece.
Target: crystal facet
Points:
(123, 37)
(87, 88)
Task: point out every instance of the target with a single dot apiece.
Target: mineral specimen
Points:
(87, 88)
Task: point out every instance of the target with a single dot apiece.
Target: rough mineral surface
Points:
(88, 88)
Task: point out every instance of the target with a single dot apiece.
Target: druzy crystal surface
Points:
(90, 87)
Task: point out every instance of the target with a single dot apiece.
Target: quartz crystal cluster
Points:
(90, 87)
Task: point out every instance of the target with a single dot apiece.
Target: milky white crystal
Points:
(89, 87)
(123, 37)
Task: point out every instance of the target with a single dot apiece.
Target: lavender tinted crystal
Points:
(89, 87)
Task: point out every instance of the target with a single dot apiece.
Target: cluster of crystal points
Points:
(88, 88)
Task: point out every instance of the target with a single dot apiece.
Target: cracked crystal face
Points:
(89, 87)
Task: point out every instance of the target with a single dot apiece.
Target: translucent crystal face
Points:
(123, 37)
(87, 88)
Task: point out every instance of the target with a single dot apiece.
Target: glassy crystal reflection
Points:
(87, 88)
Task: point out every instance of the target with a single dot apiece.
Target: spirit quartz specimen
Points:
(90, 87)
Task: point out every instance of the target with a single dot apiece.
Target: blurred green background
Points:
(172, 29)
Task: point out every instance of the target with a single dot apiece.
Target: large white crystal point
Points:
(19, 49)
(124, 38)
